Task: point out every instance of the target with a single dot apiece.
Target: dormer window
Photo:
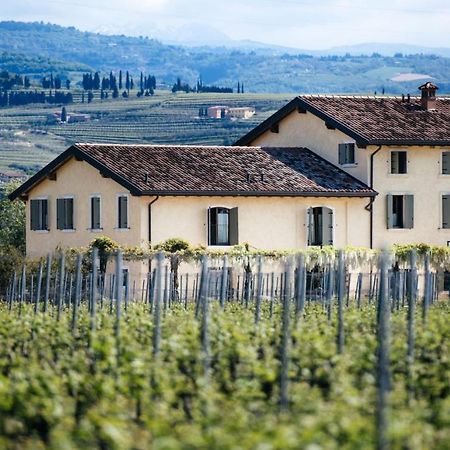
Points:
(399, 162)
(347, 153)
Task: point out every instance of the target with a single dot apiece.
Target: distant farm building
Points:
(55, 117)
(10, 175)
(227, 112)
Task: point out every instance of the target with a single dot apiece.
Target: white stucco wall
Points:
(424, 179)
(307, 130)
(264, 222)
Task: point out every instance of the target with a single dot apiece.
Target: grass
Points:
(166, 118)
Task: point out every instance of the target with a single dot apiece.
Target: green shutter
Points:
(446, 163)
(351, 154)
(234, 226)
(446, 211)
(310, 218)
(44, 212)
(95, 213)
(341, 153)
(69, 214)
(34, 214)
(327, 226)
(408, 220)
(394, 162)
(209, 225)
(60, 213)
(123, 210)
(389, 212)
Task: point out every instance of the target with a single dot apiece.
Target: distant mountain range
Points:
(363, 68)
(200, 35)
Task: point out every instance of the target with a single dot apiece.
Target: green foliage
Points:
(12, 219)
(106, 246)
(11, 260)
(173, 245)
(59, 391)
(261, 70)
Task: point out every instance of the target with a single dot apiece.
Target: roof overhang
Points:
(72, 152)
(259, 194)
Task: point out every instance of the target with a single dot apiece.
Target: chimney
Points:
(428, 99)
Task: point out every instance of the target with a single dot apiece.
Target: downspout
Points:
(150, 219)
(369, 206)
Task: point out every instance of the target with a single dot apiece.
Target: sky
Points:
(303, 24)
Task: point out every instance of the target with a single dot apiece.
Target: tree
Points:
(120, 79)
(63, 114)
(115, 93)
(96, 81)
(67, 84)
(127, 81)
(106, 246)
(12, 219)
(176, 248)
(90, 96)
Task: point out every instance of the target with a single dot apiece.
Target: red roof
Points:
(224, 171)
(371, 120)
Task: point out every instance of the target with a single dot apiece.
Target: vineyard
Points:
(29, 140)
(238, 354)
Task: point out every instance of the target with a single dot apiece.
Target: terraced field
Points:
(27, 140)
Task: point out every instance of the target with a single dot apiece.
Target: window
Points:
(223, 226)
(399, 162)
(347, 153)
(64, 213)
(95, 213)
(446, 211)
(39, 214)
(400, 211)
(122, 211)
(320, 226)
(445, 163)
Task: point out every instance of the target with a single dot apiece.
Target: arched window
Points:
(222, 226)
(320, 226)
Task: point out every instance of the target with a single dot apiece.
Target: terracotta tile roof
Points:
(195, 170)
(372, 120)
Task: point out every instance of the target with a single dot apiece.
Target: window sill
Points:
(95, 230)
(72, 230)
(404, 175)
(122, 229)
(400, 229)
(41, 231)
(349, 165)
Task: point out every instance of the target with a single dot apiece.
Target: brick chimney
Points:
(428, 99)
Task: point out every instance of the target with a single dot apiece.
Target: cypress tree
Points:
(120, 79)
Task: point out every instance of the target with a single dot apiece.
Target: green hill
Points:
(262, 70)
